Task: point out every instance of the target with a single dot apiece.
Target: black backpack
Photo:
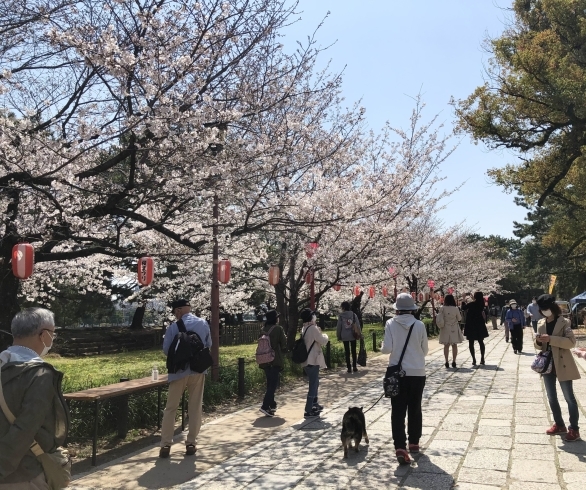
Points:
(299, 354)
(187, 350)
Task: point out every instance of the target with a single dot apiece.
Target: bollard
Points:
(328, 355)
(373, 341)
(241, 377)
(122, 413)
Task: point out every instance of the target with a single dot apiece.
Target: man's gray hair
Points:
(31, 321)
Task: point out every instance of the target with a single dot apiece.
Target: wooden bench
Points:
(98, 395)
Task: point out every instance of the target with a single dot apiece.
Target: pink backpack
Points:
(264, 352)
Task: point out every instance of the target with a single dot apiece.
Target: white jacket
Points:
(316, 355)
(396, 331)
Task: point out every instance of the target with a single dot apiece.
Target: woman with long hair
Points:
(554, 333)
(448, 320)
(475, 329)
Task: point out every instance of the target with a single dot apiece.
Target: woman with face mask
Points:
(554, 333)
(515, 319)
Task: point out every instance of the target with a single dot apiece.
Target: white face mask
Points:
(546, 313)
(514, 307)
(47, 348)
(534, 301)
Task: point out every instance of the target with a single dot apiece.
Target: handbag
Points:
(56, 465)
(542, 362)
(356, 328)
(361, 360)
(394, 373)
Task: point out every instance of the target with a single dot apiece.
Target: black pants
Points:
(517, 338)
(347, 345)
(480, 344)
(407, 402)
(272, 374)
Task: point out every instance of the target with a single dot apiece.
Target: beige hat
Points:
(512, 302)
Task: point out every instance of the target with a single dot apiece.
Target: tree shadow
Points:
(359, 374)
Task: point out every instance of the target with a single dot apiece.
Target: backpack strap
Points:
(303, 336)
(405, 346)
(181, 325)
(270, 330)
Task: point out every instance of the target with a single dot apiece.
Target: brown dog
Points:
(353, 429)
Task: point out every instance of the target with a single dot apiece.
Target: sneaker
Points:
(413, 448)
(309, 415)
(403, 456)
(555, 430)
(572, 435)
(267, 411)
(318, 408)
(164, 452)
(355, 369)
(190, 449)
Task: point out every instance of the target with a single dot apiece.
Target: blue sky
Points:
(393, 49)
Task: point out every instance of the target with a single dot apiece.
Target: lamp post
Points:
(216, 148)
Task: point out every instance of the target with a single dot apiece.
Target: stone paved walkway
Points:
(483, 430)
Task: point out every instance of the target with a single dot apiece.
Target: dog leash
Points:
(378, 400)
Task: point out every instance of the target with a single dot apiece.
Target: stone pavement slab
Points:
(484, 429)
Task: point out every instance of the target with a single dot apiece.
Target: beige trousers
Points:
(38, 483)
(194, 384)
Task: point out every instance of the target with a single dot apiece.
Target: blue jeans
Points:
(272, 374)
(550, 388)
(313, 375)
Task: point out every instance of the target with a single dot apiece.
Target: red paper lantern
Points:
(224, 268)
(310, 249)
(431, 283)
(371, 292)
(23, 258)
(356, 290)
(451, 290)
(392, 271)
(385, 291)
(309, 277)
(413, 295)
(145, 270)
(337, 286)
(274, 275)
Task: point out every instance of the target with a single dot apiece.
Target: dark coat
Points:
(475, 328)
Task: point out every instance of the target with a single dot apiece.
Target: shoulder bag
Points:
(394, 373)
(56, 465)
(361, 360)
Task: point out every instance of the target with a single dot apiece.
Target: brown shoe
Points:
(164, 452)
(555, 430)
(403, 456)
(190, 450)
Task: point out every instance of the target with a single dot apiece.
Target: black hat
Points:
(272, 316)
(306, 315)
(545, 301)
(179, 303)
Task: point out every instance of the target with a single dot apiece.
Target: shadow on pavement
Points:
(359, 374)
(354, 458)
(424, 474)
(266, 422)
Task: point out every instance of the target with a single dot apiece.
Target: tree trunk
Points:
(9, 285)
(137, 318)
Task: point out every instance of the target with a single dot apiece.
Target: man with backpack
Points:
(183, 377)
(269, 355)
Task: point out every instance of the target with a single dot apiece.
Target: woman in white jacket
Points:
(314, 340)
(408, 401)
(448, 320)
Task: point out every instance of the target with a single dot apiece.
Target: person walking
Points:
(408, 401)
(533, 310)
(273, 369)
(184, 379)
(555, 333)
(475, 329)
(32, 391)
(504, 311)
(314, 340)
(345, 332)
(515, 320)
(448, 320)
(356, 307)
(493, 313)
